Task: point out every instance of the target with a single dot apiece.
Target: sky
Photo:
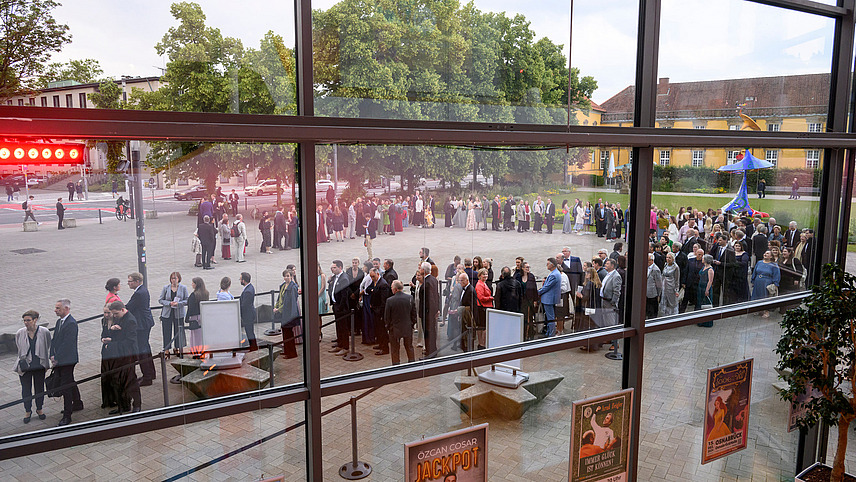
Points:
(700, 39)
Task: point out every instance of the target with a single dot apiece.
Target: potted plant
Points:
(818, 350)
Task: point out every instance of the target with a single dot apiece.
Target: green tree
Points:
(108, 95)
(28, 36)
(81, 71)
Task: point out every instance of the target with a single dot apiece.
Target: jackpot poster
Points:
(600, 438)
(462, 454)
(726, 419)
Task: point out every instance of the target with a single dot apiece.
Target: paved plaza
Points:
(75, 263)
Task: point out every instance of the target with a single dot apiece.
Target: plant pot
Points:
(819, 473)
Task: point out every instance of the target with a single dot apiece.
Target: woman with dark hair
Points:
(264, 227)
(198, 295)
(34, 344)
(338, 224)
(113, 285)
(173, 299)
(293, 238)
(791, 271)
(287, 311)
(485, 301)
(530, 300)
(739, 277)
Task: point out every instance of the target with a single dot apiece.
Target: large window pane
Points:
(437, 207)
(776, 210)
(98, 250)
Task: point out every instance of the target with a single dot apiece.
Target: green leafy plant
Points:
(818, 349)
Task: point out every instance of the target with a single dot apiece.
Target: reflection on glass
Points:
(463, 243)
(739, 227)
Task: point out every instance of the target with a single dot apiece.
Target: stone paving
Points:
(77, 262)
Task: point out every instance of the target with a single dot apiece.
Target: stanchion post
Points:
(164, 381)
(99, 216)
(355, 469)
(352, 350)
(274, 330)
(270, 364)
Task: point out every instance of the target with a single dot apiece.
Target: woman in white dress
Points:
(471, 214)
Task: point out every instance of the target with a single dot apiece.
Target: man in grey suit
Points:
(610, 292)
(400, 318)
(429, 308)
(654, 289)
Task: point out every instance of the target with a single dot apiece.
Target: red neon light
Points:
(32, 153)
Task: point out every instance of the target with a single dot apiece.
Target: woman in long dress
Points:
(740, 277)
(460, 217)
(671, 286)
(720, 429)
(471, 215)
(579, 213)
(587, 218)
(567, 218)
(765, 273)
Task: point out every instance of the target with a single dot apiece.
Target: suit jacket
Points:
(598, 216)
(340, 298)
(688, 245)
(551, 291)
(399, 315)
(574, 269)
(380, 293)
(429, 299)
(550, 210)
(792, 238)
(248, 307)
(611, 290)
(760, 244)
(389, 276)
(140, 306)
(494, 211)
(64, 343)
(681, 260)
(207, 234)
(165, 299)
(509, 294)
(60, 209)
(280, 223)
(726, 258)
(654, 286)
(124, 341)
(468, 298)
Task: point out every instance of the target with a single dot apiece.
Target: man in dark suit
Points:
(233, 201)
(681, 260)
(494, 213)
(687, 245)
(339, 293)
(807, 256)
(379, 292)
(609, 219)
(429, 307)
(389, 274)
(572, 266)
(760, 243)
(792, 235)
(509, 292)
(371, 233)
(140, 306)
(723, 256)
(122, 340)
(600, 218)
(467, 308)
(280, 230)
(60, 212)
(248, 310)
(399, 316)
(507, 213)
(64, 357)
(208, 237)
(549, 215)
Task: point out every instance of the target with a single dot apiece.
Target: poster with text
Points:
(726, 418)
(600, 438)
(798, 407)
(459, 456)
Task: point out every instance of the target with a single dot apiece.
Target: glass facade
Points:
(433, 155)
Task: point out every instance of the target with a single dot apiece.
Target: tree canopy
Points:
(28, 36)
(81, 71)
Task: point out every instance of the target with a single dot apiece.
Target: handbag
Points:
(772, 289)
(193, 322)
(540, 315)
(681, 295)
(708, 304)
(52, 384)
(23, 365)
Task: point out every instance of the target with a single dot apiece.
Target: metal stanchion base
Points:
(355, 470)
(273, 332)
(353, 357)
(614, 354)
(175, 380)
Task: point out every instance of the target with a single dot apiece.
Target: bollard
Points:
(270, 365)
(99, 216)
(352, 354)
(614, 354)
(164, 380)
(354, 470)
(274, 330)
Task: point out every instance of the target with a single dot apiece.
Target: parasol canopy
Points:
(748, 163)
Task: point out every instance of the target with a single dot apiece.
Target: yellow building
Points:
(794, 103)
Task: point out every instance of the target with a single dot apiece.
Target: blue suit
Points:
(551, 295)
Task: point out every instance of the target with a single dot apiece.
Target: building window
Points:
(731, 157)
(699, 126)
(814, 126)
(69, 100)
(56, 101)
(665, 157)
(630, 156)
(44, 101)
(82, 100)
(812, 158)
(774, 127)
(698, 158)
(772, 157)
(20, 101)
(734, 127)
(32, 101)
(9, 102)
(604, 159)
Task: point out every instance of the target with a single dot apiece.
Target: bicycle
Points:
(122, 211)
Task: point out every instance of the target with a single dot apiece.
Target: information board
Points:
(600, 438)
(220, 322)
(726, 418)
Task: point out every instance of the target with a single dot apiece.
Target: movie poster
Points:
(600, 438)
(798, 408)
(726, 420)
(459, 456)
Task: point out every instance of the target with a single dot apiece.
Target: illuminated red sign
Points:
(17, 153)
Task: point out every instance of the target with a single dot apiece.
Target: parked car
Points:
(267, 186)
(196, 192)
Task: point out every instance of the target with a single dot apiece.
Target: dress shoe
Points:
(42, 416)
(64, 421)
(145, 382)
(116, 411)
(381, 352)
(135, 409)
(333, 350)
(28, 417)
(287, 357)
(77, 407)
(341, 352)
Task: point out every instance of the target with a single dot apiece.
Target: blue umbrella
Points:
(748, 163)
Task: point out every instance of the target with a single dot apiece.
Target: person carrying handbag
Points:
(33, 343)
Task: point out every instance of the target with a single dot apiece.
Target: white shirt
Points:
(538, 207)
(566, 283)
(419, 205)
(333, 290)
(602, 435)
